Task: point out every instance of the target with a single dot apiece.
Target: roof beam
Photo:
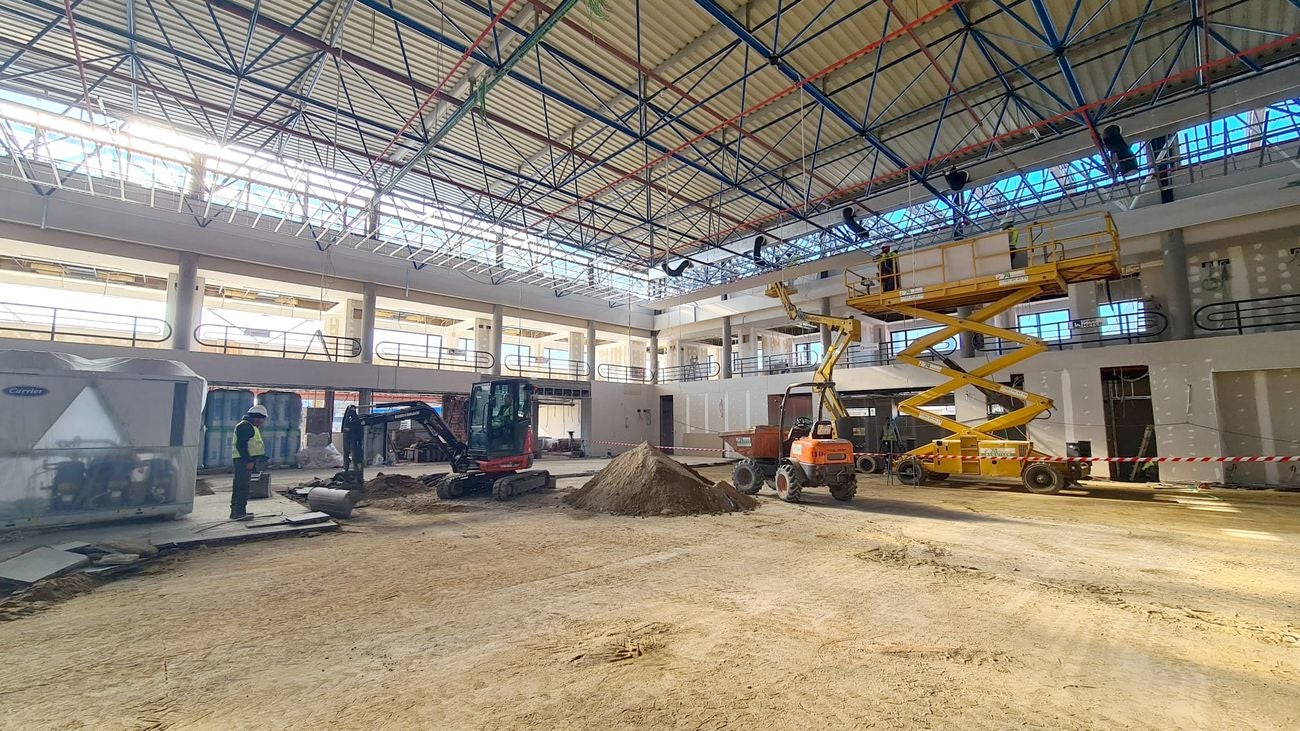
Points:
(1058, 47)
(722, 16)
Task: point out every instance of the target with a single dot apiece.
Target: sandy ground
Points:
(935, 607)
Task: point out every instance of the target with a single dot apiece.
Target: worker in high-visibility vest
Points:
(248, 450)
(1019, 257)
(888, 266)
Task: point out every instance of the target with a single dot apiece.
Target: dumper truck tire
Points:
(789, 483)
(746, 476)
(845, 490)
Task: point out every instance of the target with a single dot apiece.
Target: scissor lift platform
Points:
(992, 274)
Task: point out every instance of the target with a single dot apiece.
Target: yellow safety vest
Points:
(256, 447)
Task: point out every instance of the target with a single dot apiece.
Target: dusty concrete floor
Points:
(936, 607)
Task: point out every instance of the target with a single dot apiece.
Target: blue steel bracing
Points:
(723, 17)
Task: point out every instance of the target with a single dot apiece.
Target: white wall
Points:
(615, 419)
(1182, 377)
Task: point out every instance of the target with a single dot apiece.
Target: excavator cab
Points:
(500, 420)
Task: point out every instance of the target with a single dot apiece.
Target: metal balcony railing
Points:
(622, 374)
(435, 356)
(1281, 312)
(796, 362)
(542, 367)
(690, 372)
(57, 323)
(233, 340)
(1136, 327)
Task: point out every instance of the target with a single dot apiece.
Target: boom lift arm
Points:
(847, 331)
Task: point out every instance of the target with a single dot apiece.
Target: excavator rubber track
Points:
(510, 486)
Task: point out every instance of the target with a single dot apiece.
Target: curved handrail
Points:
(277, 343)
(455, 359)
(1137, 327)
(59, 321)
(1278, 311)
(622, 373)
(690, 372)
(548, 367)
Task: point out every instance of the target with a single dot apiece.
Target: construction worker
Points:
(248, 451)
(888, 264)
(890, 442)
(1019, 259)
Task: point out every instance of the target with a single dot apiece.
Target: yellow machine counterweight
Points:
(991, 273)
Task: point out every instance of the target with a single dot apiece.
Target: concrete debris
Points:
(40, 563)
(118, 559)
(306, 518)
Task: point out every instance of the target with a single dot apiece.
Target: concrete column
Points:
(726, 347)
(1178, 291)
(365, 397)
(498, 313)
(748, 343)
(591, 349)
(483, 334)
(1082, 298)
(576, 345)
(652, 358)
(368, 322)
(826, 331)
(185, 301)
(966, 340)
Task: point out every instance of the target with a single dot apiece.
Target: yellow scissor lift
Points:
(993, 273)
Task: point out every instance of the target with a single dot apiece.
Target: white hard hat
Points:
(258, 410)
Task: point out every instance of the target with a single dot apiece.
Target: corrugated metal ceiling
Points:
(720, 133)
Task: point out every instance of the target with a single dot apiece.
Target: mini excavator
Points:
(498, 454)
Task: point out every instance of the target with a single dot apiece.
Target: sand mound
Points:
(45, 594)
(644, 481)
(385, 486)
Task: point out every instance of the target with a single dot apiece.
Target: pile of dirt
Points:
(385, 486)
(45, 594)
(644, 482)
(203, 487)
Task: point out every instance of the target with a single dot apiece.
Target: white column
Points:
(1178, 291)
(591, 349)
(368, 322)
(652, 358)
(826, 331)
(966, 339)
(1083, 304)
(185, 301)
(726, 347)
(498, 313)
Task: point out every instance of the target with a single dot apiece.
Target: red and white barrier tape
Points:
(974, 458)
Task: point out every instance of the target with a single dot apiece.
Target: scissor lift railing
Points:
(989, 275)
